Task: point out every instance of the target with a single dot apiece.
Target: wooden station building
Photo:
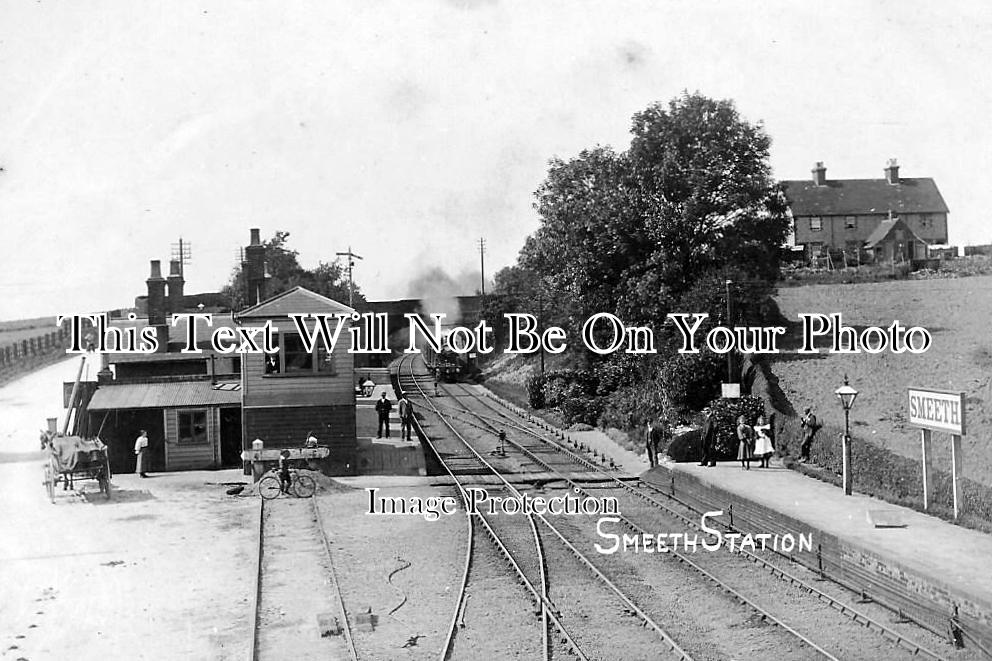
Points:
(201, 410)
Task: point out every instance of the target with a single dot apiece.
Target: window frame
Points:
(193, 439)
(850, 222)
(319, 366)
(816, 223)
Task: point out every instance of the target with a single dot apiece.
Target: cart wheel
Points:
(269, 487)
(50, 483)
(304, 486)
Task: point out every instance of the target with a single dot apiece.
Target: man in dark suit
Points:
(707, 438)
(406, 417)
(383, 407)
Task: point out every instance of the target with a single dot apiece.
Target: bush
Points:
(691, 380)
(725, 412)
(535, 391)
(685, 446)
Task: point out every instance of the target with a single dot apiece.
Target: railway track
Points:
(587, 597)
(288, 612)
(647, 508)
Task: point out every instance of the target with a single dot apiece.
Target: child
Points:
(763, 443)
(284, 478)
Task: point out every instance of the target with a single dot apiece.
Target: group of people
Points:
(754, 442)
(384, 406)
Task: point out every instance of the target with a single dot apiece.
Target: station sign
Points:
(937, 410)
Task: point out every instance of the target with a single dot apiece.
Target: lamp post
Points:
(730, 369)
(846, 394)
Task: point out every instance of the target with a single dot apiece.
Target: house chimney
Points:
(819, 174)
(156, 305)
(892, 172)
(176, 283)
(254, 268)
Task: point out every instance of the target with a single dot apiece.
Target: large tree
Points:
(659, 228)
(282, 265)
(632, 232)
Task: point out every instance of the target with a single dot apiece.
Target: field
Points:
(25, 329)
(958, 314)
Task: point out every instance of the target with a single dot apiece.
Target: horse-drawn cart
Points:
(72, 458)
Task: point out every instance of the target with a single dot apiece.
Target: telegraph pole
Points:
(351, 264)
(482, 262)
(182, 253)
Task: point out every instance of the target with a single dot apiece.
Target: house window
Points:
(192, 427)
(926, 222)
(815, 248)
(851, 222)
(815, 224)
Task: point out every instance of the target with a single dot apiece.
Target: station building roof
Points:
(297, 300)
(165, 395)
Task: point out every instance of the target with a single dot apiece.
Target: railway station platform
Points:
(388, 455)
(931, 569)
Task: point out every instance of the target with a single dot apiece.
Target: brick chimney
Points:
(892, 172)
(819, 174)
(254, 268)
(156, 305)
(176, 283)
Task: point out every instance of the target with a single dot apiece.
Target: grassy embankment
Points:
(958, 313)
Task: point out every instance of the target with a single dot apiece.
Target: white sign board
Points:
(937, 410)
(731, 390)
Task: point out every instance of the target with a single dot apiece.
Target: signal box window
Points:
(325, 361)
(192, 427)
(815, 224)
(294, 357)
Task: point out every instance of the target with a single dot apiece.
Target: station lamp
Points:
(846, 394)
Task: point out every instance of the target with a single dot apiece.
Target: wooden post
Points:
(846, 452)
(925, 438)
(956, 473)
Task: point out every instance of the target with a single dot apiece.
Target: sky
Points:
(409, 130)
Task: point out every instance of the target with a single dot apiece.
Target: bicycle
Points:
(270, 486)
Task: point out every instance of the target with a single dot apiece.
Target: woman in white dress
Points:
(762, 442)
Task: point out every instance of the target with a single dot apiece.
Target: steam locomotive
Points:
(447, 365)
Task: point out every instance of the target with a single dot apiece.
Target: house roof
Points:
(840, 197)
(294, 301)
(885, 228)
(165, 395)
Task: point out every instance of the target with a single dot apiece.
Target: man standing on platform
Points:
(383, 407)
(140, 452)
(406, 417)
(707, 438)
(809, 427)
(650, 440)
